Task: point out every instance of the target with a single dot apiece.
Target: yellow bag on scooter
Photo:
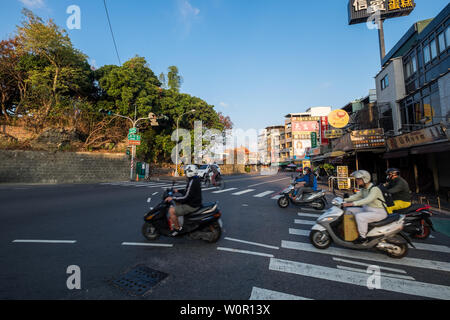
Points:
(350, 229)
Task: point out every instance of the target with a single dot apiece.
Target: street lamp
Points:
(134, 122)
(178, 121)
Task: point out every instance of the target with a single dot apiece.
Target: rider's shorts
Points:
(184, 209)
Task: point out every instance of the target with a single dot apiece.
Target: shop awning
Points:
(432, 148)
(335, 154)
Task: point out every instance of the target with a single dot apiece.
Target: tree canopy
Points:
(46, 82)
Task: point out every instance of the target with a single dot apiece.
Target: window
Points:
(426, 54)
(447, 36)
(414, 64)
(433, 49)
(442, 46)
(408, 70)
(385, 82)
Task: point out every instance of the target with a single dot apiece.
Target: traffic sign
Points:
(132, 131)
(134, 137)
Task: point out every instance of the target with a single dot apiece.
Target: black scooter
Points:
(417, 222)
(204, 224)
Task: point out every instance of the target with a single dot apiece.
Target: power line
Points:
(112, 33)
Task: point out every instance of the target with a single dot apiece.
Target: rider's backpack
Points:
(389, 201)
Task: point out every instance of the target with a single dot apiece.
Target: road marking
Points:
(310, 215)
(246, 252)
(226, 190)
(46, 241)
(146, 244)
(215, 188)
(431, 247)
(155, 193)
(264, 294)
(412, 262)
(276, 197)
(382, 274)
(258, 184)
(299, 232)
(307, 222)
(263, 194)
(368, 265)
(253, 243)
(243, 192)
(395, 285)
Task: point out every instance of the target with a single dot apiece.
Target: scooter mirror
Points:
(346, 195)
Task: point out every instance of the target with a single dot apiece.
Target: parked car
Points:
(204, 169)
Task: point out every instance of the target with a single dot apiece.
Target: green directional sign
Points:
(313, 140)
(132, 131)
(134, 137)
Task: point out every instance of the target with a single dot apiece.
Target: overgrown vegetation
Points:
(47, 83)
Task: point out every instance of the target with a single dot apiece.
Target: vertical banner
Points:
(323, 127)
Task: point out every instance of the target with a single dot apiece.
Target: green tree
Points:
(174, 80)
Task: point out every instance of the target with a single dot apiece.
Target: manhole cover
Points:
(139, 280)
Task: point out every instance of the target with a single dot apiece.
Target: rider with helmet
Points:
(189, 202)
(399, 189)
(308, 183)
(371, 201)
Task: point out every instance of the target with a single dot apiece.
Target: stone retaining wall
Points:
(62, 167)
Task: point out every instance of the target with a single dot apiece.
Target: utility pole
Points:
(381, 39)
(176, 156)
(152, 117)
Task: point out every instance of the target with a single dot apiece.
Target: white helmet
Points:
(362, 174)
(191, 171)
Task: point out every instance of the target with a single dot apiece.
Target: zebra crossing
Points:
(351, 267)
(231, 191)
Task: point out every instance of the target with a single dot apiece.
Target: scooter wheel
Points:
(283, 202)
(426, 231)
(319, 239)
(320, 205)
(150, 232)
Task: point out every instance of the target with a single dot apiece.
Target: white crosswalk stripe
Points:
(264, 294)
(226, 190)
(243, 192)
(355, 278)
(307, 222)
(364, 255)
(261, 195)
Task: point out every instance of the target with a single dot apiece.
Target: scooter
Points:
(315, 200)
(385, 235)
(417, 221)
(204, 224)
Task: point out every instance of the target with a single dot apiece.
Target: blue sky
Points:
(255, 60)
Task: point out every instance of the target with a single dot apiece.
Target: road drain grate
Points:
(139, 280)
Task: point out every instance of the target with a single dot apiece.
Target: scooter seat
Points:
(390, 219)
(410, 209)
(204, 208)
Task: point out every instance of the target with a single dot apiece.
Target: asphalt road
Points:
(264, 252)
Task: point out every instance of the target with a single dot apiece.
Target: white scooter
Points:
(385, 235)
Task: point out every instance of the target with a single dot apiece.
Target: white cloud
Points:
(223, 104)
(187, 14)
(33, 3)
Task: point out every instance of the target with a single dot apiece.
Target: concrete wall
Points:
(62, 167)
(395, 91)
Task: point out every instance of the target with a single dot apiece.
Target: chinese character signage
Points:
(304, 127)
(416, 138)
(323, 128)
(371, 138)
(361, 10)
(333, 134)
(313, 139)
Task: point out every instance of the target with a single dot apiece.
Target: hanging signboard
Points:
(371, 138)
(361, 11)
(415, 138)
(343, 181)
(333, 134)
(338, 119)
(323, 128)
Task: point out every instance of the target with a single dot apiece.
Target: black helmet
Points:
(393, 170)
(308, 169)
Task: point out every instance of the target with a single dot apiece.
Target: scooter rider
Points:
(399, 188)
(188, 203)
(370, 199)
(308, 183)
